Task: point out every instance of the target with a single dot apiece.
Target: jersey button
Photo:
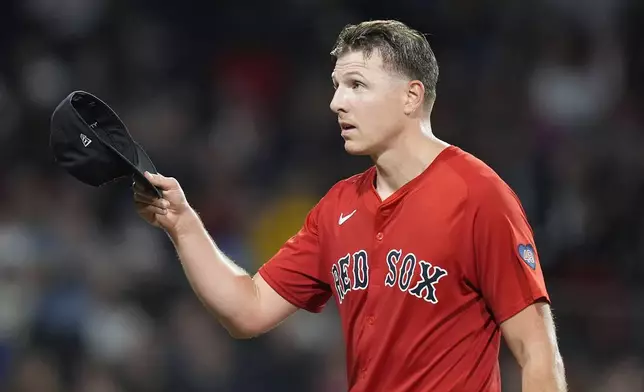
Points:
(370, 320)
(379, 236)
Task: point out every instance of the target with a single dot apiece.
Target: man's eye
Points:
(355, 84)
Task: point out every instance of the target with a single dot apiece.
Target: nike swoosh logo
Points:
(345, 218)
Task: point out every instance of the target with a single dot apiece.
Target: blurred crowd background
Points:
(232, 98)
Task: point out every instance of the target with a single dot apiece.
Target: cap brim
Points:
(145, 164)
(138, 172)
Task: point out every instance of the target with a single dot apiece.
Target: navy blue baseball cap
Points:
(90, 142)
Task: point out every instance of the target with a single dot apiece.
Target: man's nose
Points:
(338, 102)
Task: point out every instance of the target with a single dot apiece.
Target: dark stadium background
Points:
(231, 98)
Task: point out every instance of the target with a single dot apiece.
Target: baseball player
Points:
(428, 254)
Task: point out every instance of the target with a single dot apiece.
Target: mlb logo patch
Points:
(526, 252)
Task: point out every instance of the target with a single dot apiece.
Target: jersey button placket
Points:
(383, 215)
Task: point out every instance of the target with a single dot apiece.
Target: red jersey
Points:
(422, 280)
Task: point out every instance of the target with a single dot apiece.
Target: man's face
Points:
(369, 101)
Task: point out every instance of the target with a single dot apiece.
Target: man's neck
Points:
(407, 158)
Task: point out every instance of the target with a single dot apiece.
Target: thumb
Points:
(160, 181)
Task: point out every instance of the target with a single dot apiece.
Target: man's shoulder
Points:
(349, 187)
(359, 182)
(482, 183)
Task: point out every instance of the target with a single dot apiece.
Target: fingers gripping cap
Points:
(91, 143)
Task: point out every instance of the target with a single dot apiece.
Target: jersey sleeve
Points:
(506, 259)
(296, 272)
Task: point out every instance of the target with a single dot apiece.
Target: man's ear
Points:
(414, 97)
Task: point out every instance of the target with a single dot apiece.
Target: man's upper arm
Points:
(531, 336)
(510, 279)
(273, 308)
(530, 332)
(508, 272)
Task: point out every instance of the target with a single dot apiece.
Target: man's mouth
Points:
(345, 126)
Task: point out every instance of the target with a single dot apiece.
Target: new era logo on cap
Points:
(86, 141)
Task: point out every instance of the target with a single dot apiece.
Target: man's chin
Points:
(354, 148)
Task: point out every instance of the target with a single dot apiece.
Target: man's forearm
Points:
(224, 288)
(541, 375)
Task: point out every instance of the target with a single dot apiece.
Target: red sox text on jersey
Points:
(351, 273)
